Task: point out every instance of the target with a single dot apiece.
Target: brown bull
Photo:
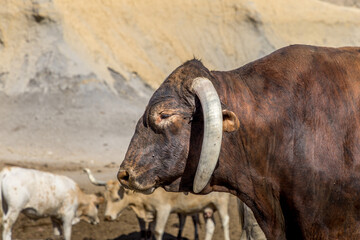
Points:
(282, 133)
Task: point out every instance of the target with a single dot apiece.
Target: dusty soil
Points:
(126, 226)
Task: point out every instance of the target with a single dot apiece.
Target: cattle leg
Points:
(196, 222)
(209, 227)
(142, 225)
(56, 226)
(150, 230)
(161, 219)
(8, 221)
(67, 224)
(225, 219)
(182, 219)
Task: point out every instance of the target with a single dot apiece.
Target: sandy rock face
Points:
(75, 75)
(150, 38)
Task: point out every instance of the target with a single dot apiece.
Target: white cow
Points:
(158, 205)
(40, 194)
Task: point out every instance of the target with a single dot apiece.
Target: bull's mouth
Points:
(138, 187)
(131, 182)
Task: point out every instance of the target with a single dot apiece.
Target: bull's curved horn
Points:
(93, 179)
(211, 144)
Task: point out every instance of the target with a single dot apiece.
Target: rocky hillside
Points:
(76, 75)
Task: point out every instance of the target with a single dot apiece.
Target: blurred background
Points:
(76, 75)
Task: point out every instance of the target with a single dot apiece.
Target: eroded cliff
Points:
(76, 75)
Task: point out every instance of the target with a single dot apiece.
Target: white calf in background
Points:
(40, 194)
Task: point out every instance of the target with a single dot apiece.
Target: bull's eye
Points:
(190, 119)
(164, 115)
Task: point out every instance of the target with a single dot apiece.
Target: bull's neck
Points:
(250, 152)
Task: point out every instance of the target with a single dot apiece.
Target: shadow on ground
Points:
(136, 236)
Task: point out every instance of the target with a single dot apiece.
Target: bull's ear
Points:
(230, 121)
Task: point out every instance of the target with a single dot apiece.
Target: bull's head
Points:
(182, 115)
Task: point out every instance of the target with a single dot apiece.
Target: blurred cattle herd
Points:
(38, 194)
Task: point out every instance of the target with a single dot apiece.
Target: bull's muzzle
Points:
(123, 177)
(129, 180)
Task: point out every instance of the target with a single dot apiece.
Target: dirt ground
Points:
(126, 226)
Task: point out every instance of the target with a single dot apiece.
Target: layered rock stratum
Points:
(76, 75)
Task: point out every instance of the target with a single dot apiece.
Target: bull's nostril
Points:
(107, 218)
(123, 175)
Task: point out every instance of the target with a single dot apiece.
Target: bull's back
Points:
(305, 93)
